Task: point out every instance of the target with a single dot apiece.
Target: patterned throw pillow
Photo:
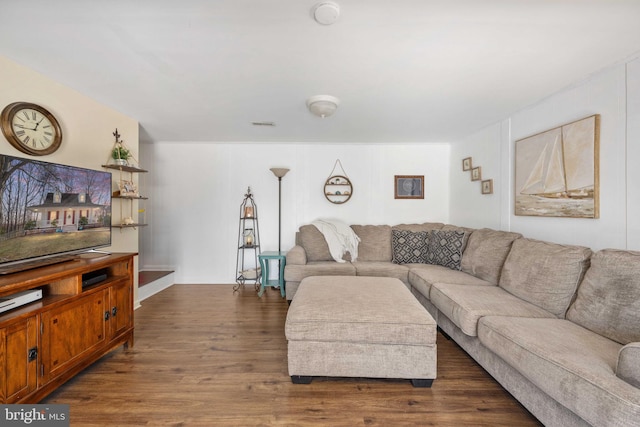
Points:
(409, 247)
(445, 248)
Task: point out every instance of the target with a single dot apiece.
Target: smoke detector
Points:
(323, 105)
(326, 12)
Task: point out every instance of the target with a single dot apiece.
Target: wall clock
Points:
(31, 128)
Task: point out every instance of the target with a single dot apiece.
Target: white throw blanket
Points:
(340, 238)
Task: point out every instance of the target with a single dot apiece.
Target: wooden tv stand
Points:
(45, 343)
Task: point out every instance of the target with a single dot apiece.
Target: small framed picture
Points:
(466, 164)
(409, 186)
(487, 186)
(128, 189)
(476, 174)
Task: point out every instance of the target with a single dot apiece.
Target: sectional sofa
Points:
(558, 326)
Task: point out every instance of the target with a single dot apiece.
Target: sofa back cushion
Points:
(425, 226)
(314, 243)
(543, 273)
(486, 252)
(608, 300)
(375, 242)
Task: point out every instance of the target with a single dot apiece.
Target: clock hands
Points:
(26, 128)
(38, 124)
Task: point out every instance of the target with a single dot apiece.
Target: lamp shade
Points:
(323, 105)
(279, 172)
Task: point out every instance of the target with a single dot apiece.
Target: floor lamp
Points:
(279, 173)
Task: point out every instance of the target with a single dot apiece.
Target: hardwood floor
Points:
(204, 356)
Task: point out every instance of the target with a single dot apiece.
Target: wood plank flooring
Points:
(204, 356)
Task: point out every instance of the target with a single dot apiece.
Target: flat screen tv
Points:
(48, 210)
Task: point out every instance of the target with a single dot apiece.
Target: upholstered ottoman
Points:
(356, 326)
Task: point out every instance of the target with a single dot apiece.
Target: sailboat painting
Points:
(557, 171)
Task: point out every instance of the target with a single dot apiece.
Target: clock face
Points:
(31, 128)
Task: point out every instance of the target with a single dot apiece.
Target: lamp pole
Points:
(279, 173)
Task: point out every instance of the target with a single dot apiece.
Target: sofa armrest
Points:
(297, 256)
(628, 367)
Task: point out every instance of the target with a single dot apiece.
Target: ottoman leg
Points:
(421, 383)
(301, 379)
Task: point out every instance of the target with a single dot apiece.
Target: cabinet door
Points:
(72, 331)
(18, 360)
(121, 308)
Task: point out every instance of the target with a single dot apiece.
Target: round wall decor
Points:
(338, 188)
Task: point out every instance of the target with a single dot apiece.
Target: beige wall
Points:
(87, 128)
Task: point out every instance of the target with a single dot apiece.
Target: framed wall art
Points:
(476, 174)
(409, 186)
(486, 186)
(557, 171)
(466, 164)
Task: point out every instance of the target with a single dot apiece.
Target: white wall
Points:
(197, 190)
(469, 207)
(633, 155)
(87, 128)
(614, 94)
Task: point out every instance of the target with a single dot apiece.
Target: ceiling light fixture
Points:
(323, 105)
(326, 12)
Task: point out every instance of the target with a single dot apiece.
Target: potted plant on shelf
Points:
(120, 155)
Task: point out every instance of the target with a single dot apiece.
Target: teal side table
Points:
(264, 258)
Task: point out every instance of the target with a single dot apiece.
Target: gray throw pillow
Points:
(409, 247)
(445, 248)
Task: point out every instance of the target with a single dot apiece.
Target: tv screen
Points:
(51, 209)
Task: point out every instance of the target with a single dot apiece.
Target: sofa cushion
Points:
(314, 243)
(543, 273)
(423, 276)
(571, 364)
(382, 269)
(375, 242)
(296, 255)
(628, 366)
(464, 305)
(486, 252)
(426, 226)
(445, 248)
(295, 273)
(409, 247)
(608, 300)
